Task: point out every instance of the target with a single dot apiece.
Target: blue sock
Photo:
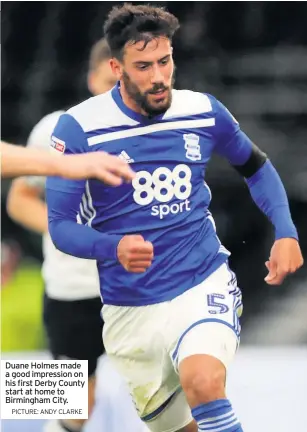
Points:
(216, 416)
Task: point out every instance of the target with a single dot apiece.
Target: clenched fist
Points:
(286, 257)
(134, 253)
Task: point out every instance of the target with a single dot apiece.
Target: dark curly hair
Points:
(135, 23)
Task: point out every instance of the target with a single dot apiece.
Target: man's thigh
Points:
(136, 343)
(205, 319)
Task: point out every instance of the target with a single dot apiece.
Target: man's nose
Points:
(156, 75)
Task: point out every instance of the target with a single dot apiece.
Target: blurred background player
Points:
(72, 302)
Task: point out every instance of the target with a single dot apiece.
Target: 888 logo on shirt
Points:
(163, 185)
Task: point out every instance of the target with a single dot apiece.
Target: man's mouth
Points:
(159, 93)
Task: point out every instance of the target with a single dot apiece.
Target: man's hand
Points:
(134, 253)
(100, 165)
(286, 257)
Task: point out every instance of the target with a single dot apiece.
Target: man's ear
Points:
(117, 68)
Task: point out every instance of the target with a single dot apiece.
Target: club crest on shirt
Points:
(57, 144)
(192, 146)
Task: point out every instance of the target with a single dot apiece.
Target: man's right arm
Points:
(63, 197)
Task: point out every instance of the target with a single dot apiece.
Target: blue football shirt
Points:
(167, 203)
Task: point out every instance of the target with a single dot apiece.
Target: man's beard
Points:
(141, 99)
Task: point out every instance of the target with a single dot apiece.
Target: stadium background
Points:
(250, 55)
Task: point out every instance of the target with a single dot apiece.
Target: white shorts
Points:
(147, 343)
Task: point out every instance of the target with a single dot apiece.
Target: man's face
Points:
(101, 79)
(147, 75)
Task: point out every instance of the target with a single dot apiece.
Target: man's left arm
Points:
(266, 189)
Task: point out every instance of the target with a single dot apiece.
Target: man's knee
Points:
(202, 379)
(205, 386)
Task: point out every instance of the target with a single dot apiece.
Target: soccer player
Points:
(171, 303)
(19, 161)
(72, 303)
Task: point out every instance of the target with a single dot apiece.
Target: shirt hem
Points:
(168, 296)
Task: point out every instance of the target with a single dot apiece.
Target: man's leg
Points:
(137, 346)
(203, 381)
(205, 393)
(205, 347)
(202, 378)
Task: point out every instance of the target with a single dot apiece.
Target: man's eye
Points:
(164, 61)
(142, 67)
